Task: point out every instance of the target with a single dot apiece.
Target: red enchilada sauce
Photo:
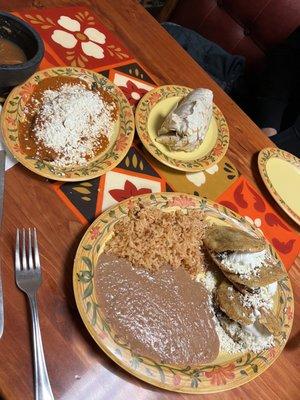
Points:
(28, 142)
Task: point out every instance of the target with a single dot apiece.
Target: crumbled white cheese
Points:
(253, 337)
(70, 121)
(256, 338)
(227, 344)
(262, 298)
(245, 264)
(209, 280)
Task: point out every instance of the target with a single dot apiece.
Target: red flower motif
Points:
(230, 205)
(273, 220)
(95, 232)
(283, 247)
(239, 196)
(132, 92)
(176, 380)
(26, 91)
(272, 352)
(128, 114)
(289, 313)
(10, 120)
(145, 135)
(218, 150)
(182, 201)
(154, 97)
(121, 143)
(259, 204)
(219, 375)
(17, 149)
(128, 191)
(142, 118)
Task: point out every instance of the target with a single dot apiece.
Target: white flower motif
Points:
(256, 222)
(199, 178)
(212, 170)
(89, 39)
(69, 23)
(65, 39)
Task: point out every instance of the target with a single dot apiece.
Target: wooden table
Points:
(77, 368)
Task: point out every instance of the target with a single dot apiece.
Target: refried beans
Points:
(163, 315)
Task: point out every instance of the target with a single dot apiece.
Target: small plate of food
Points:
(182, 127)
(183, 293)
(67, 124)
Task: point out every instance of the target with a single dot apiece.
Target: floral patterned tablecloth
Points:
(75, 37)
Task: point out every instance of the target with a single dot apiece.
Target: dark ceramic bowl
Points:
(19, 32)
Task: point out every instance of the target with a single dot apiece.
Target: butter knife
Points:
(2, 172)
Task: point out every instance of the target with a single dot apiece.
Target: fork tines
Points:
(31, 260)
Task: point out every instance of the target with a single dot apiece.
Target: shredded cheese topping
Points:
(245, 264)
(71, 121)
(252, 337)
(257, 300)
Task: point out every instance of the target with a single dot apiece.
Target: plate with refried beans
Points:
(68, 124)
(183, 293)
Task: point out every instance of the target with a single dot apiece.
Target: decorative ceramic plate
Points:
(280, 172)
(151, 112)
(122, 136)
(228, 370)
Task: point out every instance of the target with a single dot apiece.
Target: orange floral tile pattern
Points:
(75, 37)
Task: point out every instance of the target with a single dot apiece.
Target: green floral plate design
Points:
(156, 104)
(228, 370)
(271, 153)
(13, 113)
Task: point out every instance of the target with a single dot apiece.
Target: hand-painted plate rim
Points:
(205, 379)
(16, 101)
(153, 97)
(263, 157)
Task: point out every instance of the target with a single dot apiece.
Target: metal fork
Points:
(29, 278)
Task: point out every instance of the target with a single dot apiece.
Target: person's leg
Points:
(226, 69)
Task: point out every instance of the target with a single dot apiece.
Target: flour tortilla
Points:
(186, 125)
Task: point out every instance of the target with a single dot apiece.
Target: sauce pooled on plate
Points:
(163, 315)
